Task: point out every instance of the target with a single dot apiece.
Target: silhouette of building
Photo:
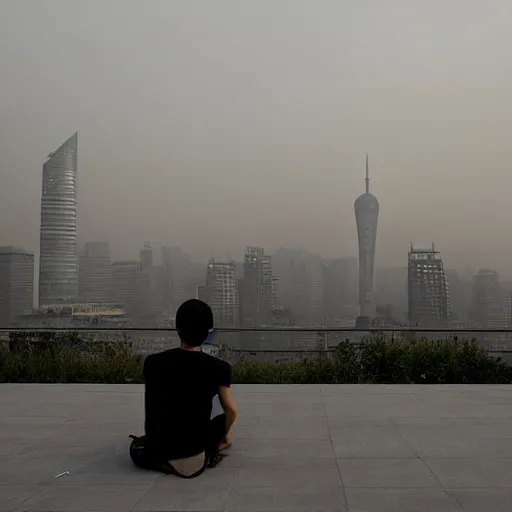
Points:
(391, 291)
(16, 284)
(301, 285)
(58, 265)
(154, 285)
(276, 303)
(180, 276)
(429, 299)
(221, 294)
(255, 295)
(460, 285)
(127, 286)
(366, 209)
(491, 302)
(257, 288)
(341, 290)
(95, 273)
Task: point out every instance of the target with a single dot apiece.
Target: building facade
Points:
(428, 295)
(58, 264)
(95, 274)
(257, 288)
(16, 284)
(154, 284)
(341, 290)
(128, 286)
(366, 209)
(491, 302)
(180, 275)
(301, 286)
(391, 291)
(221, 294)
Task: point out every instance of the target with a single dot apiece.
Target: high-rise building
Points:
(366, 209)
(341, 296)
(491, 302)
(180, 275)
(459, 284)
(257, 288)
(491, 309)
(301, 285)
(276, 303)
(58, 265)
(391, 291)
(95, 273)
(429, 299)
(16, 284)
(127, 286)
(220, 292)
(154, 284)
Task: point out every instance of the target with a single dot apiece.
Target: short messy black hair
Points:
(194, 319)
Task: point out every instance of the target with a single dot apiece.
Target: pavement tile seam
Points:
(24, 500)
(400, 433)
(337, 465)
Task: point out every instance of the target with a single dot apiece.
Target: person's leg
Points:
(144, 458)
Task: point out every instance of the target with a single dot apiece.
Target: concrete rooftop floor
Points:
(297, 448)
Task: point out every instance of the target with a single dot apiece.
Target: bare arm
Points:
(228, 404)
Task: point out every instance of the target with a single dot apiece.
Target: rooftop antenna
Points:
(367, 179)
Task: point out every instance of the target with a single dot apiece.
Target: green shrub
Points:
(69, 360)
(66, 358)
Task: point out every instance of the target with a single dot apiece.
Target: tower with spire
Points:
(366, 208)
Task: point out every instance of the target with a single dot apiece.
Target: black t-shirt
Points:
(180, 386)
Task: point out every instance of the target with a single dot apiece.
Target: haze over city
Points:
(216, 125)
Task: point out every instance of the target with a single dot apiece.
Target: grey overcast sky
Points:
(218, 124)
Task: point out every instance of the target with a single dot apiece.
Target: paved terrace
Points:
(297, 448)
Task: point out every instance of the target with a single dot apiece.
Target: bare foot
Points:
(225, 445)
(228, 441)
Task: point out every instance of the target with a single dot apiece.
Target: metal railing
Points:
(262, 329)
(274, 342)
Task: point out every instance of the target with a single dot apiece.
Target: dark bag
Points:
(139, 454)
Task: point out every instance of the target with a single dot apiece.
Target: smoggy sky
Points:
(219, 124)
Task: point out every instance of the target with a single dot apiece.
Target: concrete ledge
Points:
(297, 448)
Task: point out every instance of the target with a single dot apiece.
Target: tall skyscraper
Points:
(257, 288)
(180, 276)
(16, 284)
(220, 292)
(301, 285)
(459, 284)
(58, 265)
(491, 302)
(391, 291)
(429, 300)
(127, 281)
(366, 208)
(95, 273)
(341, 295)
(154, 285)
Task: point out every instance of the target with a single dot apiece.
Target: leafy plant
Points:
(67, 357)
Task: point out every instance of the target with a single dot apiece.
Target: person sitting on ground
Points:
(181, 437)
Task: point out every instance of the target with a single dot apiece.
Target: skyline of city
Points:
(74, 209)
(289, 287)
